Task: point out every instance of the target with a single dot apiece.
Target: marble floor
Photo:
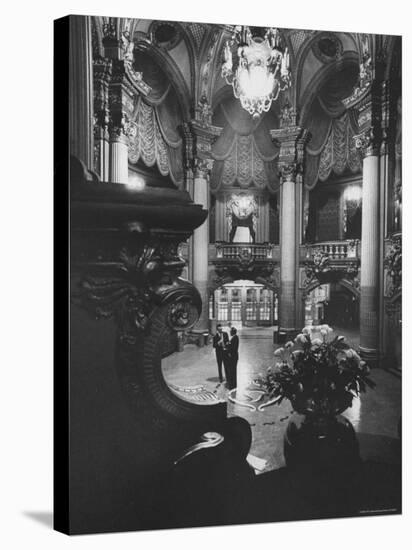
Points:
(375, 415)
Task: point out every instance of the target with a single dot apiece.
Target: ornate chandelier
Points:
(256, 67)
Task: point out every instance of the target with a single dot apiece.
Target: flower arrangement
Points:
(317, 374)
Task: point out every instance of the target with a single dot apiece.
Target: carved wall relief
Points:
(242, 211)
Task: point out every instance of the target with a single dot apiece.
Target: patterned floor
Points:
(375, 416)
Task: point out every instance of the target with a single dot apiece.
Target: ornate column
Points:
(369, 143)
(125, 85)
(292, 141)
(81, 90)
(121, 109)
(200, 256)
(204, 135)
(102, 71)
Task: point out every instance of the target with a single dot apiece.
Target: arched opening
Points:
(333, 304)
(243, 304)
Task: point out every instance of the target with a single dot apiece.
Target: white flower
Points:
(317, 342)
(323, 331)
(289, 345)
(300, 339)
(341, 338)
(279, 352)
(349, 353)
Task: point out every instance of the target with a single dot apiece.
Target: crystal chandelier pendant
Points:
(257, 68)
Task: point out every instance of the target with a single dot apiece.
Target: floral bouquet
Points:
(317, 374)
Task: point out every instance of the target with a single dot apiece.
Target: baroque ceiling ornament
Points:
(257, 67)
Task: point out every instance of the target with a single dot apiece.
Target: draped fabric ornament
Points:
(244, 164)
(332, 149)
(339, 153)
(244, 154)
(257, 68)
(148, 143)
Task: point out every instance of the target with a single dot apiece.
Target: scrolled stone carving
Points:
(393, 266)
(139, 280)
(321, 267)
(287, 116)
(204, 111)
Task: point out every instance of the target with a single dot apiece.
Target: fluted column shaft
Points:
(369, 298)
(119, 168)
(287, 315)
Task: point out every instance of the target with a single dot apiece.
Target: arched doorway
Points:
(244, 303)
(333, 304)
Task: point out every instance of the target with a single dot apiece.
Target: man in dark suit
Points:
(232, 350)
(220, 340)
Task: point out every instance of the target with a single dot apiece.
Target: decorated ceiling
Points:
(181, 63)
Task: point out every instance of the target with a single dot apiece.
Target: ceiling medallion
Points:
(165, 34)
(327, 47)
(257, 67)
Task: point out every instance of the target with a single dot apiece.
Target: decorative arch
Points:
(173, 74)
(346, 283)
(348, 60)
(306, 47)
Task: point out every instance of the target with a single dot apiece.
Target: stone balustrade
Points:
(335, 250)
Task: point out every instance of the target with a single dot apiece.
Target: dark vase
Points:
(322, 456)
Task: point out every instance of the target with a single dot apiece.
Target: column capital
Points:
(203, 167)
(205, 135)
(368, 142)
(121, 106)
(374, 119)
(291, 141)
(102, 72)
(199, 138)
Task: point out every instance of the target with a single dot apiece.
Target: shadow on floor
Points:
(213, 379)
(44, 518)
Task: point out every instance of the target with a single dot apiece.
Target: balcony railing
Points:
(256, 252)
(335, 250)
